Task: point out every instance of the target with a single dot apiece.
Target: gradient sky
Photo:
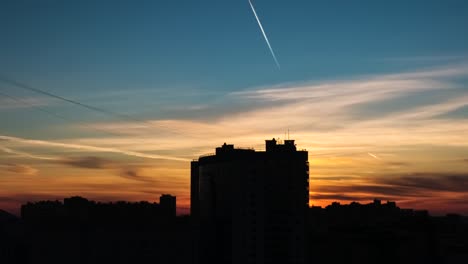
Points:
(376, 91)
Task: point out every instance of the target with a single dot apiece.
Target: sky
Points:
(376, 91)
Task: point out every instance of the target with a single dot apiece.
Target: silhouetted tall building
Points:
(252, 205)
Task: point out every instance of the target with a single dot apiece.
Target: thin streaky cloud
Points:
(305, 106)
(427, 58)
(89, 148)
(429, 111)
(88, 162)
(27, 155)
(7, 103)
(383, 84)
(305, 112)
(20, 169)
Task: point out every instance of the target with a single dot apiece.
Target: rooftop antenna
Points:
(288, 133)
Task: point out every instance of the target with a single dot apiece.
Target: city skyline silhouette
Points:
(110, 100)
(107, 106)
(247, 206)
(94, 162)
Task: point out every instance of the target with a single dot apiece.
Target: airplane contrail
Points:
(83, 105)
(264, 35)
(373, 155)
(50, 113)
(87, 106)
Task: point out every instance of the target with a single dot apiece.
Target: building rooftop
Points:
(273, 147)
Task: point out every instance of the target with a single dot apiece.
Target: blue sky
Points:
(161, 54)
(357, 77)
(118, 45)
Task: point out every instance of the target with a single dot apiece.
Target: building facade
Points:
(250, 206)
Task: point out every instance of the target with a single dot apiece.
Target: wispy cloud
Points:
(338, 197)
(319, 114)
(451, 182)
(26, 155)
(397, 186)
(7, 103)
(369, 190)
(134, 173)
(21, 169)
(87, 148)
(125, 170)
(426, 59)
(323, 118)
(89, 162)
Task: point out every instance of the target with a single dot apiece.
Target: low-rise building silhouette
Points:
(167, 203)
(80, 210)
(83, 231)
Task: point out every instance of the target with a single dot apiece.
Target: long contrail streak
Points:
(89, 107)
(50, 113)
(87, 148)
(264, 35)
(83, 105)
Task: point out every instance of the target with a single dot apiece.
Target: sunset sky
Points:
(376, 91)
